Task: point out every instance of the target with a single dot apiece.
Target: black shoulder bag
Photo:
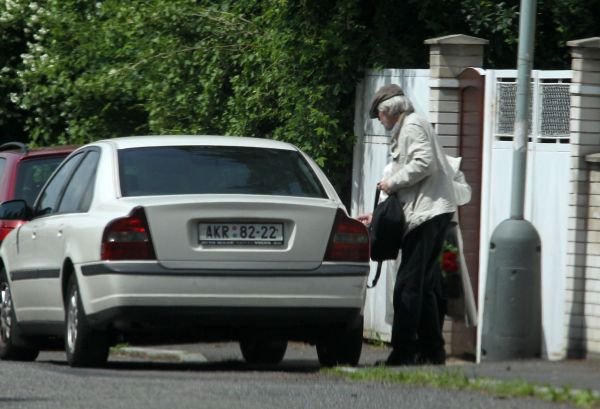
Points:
(386, 231)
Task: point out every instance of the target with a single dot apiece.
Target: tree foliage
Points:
(14, 43)
(74, 71)
(557, 21)
(277, 69)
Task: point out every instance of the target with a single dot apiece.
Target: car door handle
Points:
(59, 233)
(33, 235)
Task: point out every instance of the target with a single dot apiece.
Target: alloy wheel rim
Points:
(72, 322)
(5, 313)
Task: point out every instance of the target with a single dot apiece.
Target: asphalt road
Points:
(221, 380)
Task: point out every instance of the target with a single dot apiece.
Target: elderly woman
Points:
(421, 177)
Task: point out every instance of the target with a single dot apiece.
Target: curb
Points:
(158, 354)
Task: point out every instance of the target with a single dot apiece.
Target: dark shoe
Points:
(430, 361)
(437, 358)
(399, 359)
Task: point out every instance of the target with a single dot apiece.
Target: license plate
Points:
(260, 234)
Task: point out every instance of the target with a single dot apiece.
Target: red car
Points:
(23, 172)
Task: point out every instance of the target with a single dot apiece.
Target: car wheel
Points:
(342, 347)
(263, 350)
(83, 345)
(10, 349)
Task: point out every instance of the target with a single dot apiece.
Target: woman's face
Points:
(387, 120)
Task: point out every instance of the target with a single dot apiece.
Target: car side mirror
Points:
(15, 210)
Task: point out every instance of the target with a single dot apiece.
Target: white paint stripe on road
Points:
(160, 353)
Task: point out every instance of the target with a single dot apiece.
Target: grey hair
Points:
(396, 105)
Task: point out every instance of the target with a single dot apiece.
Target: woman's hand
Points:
(384, 186)
(365, 218)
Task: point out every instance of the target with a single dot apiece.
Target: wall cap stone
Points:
(444, 83)
(592, 42)
(592, 158)
(582, 89)
(461, 39)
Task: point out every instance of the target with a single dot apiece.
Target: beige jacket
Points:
(420, 173)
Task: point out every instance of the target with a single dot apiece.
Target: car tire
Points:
(342, 347)
(257, 350)
(84, 346)
(11, 348)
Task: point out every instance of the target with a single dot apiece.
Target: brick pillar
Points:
(448, 57)
(583, 265)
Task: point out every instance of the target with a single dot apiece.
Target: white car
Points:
(157, 239)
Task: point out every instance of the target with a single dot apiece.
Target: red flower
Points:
(449, 261)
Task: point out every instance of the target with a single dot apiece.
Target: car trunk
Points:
(242, 232)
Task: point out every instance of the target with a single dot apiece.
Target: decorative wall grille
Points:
(549, 110)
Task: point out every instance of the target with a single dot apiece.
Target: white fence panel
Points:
(547, 188)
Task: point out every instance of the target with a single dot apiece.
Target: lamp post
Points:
(512, 310)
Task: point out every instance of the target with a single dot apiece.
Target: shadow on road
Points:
(290, 366)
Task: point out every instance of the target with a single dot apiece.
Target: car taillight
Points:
(349, 240)
(128, 238)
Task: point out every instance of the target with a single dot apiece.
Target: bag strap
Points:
(377, 274)
(377, 192)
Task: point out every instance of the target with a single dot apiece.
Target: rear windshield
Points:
(174, 170)
(32, 174)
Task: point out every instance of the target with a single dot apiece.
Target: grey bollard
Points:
(512, 310)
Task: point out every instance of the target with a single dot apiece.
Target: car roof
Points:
(23, 151)
(54, 150)
(186, 140)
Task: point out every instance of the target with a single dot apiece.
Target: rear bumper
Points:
(145, 295)
(154, 325)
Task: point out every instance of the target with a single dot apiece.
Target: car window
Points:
(78, 194)
(48, 199)
(32, 173)
(217, 170)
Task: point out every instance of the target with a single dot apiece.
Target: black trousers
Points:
(416, 328)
